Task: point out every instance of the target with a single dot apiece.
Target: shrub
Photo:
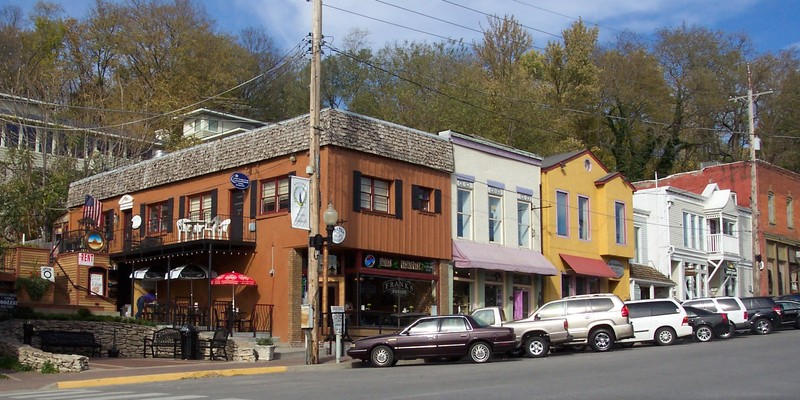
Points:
(48, 368)
(36, 286)
(84, 313)
(265, 341)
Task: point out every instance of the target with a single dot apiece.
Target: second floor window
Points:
(771, 207)
(523, 224)
(422, 198)
(464, 212)
(693, 231)
(157, 217)
(789, 213)
(495, 219)
(275, 195)
(619, 223)
(562, 219)
(583, 217)
(374, 194)
(200, 207)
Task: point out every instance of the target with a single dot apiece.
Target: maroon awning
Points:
(588, 266)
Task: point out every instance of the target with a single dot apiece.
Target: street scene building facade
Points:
(779, 240)
(497, 258)
(587, 219)
(700, 241)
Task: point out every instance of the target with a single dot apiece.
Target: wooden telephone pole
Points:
(312, 350)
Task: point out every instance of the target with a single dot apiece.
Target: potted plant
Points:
(265, 349)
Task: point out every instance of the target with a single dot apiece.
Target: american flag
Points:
(92, 209)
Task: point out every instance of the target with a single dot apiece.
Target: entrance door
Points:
(236, 228)
(127, 230)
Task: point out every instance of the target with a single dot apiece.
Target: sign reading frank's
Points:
(398, 287)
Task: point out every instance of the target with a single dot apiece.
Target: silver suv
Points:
(594, 319)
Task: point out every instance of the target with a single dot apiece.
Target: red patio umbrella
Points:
(233, 279)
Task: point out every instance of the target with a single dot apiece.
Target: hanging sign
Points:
(299, 208)
(240, 181)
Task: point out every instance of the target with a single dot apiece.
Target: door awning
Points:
(588, 266)
(500, 258)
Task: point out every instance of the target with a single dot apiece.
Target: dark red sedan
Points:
(450, 337)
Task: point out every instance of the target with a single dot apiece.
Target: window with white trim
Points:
(583, 217)
(495, 216)
(693, 231)
(464, 210)
(620, 232)
(562, 213)
(524, 221)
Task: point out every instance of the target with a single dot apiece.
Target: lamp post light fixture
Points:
(321, 243)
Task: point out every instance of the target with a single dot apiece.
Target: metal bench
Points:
(164, 341)
(69, 339)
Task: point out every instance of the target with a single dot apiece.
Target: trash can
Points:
(190, 343)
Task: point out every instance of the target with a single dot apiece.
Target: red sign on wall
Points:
(86, 259)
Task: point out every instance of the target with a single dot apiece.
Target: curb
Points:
(126, 380)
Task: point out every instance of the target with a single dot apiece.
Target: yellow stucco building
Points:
(587, 226)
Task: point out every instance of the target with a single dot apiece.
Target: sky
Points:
(772, 25)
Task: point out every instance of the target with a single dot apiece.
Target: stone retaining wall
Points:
(129, 337)
(36, 358)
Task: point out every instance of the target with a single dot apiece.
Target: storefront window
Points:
(389, 301)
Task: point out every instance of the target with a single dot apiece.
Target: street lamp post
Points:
(330, 217)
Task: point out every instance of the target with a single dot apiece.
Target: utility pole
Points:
(755, 144)
(312, 350)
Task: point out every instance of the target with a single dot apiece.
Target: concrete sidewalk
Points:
(123, 371)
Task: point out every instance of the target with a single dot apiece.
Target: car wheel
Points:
(762, 326)
(797, 324)
(729, 333)
(703, 333)
(601, 340)
(480, 352)
(665, 336)
(382, 356)
(537, 347)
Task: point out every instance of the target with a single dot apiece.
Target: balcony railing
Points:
(720, 243)
(184, 231)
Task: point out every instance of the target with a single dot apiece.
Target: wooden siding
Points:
(417, 234)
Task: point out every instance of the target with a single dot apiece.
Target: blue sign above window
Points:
(240, 181)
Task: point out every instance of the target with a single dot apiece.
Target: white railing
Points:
(718, 243)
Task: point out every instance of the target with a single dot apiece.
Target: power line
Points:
(498, 18)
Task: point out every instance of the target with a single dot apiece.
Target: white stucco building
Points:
(702, 242)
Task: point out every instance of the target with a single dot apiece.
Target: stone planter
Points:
(265, 353)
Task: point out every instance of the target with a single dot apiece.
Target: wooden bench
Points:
(164, 341)
(69, 339)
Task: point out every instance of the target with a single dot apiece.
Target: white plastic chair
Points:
(222, 229)
(183, 229)
(211, 228)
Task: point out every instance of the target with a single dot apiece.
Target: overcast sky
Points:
(771, 24)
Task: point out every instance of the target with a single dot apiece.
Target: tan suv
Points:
(598, 320)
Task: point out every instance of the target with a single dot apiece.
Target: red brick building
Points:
(779, 239)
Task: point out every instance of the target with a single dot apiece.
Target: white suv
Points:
(737, 312)
(657, 320)
(594, 319)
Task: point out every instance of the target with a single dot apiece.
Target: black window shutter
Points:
(415, 201)
(181, 206)
(293, 173)
(109, 221)
(145, 220)
(357, 191)
(253, 198)
(437, 196)
(170, 206)
(398, 198)
(213, 203)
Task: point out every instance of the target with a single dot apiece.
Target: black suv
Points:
(763, 312)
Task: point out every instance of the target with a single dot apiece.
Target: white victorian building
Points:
(702, 242)
(497, 258)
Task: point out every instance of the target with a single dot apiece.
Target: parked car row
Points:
(598, 320)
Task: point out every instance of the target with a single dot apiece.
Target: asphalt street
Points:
(745, 367)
